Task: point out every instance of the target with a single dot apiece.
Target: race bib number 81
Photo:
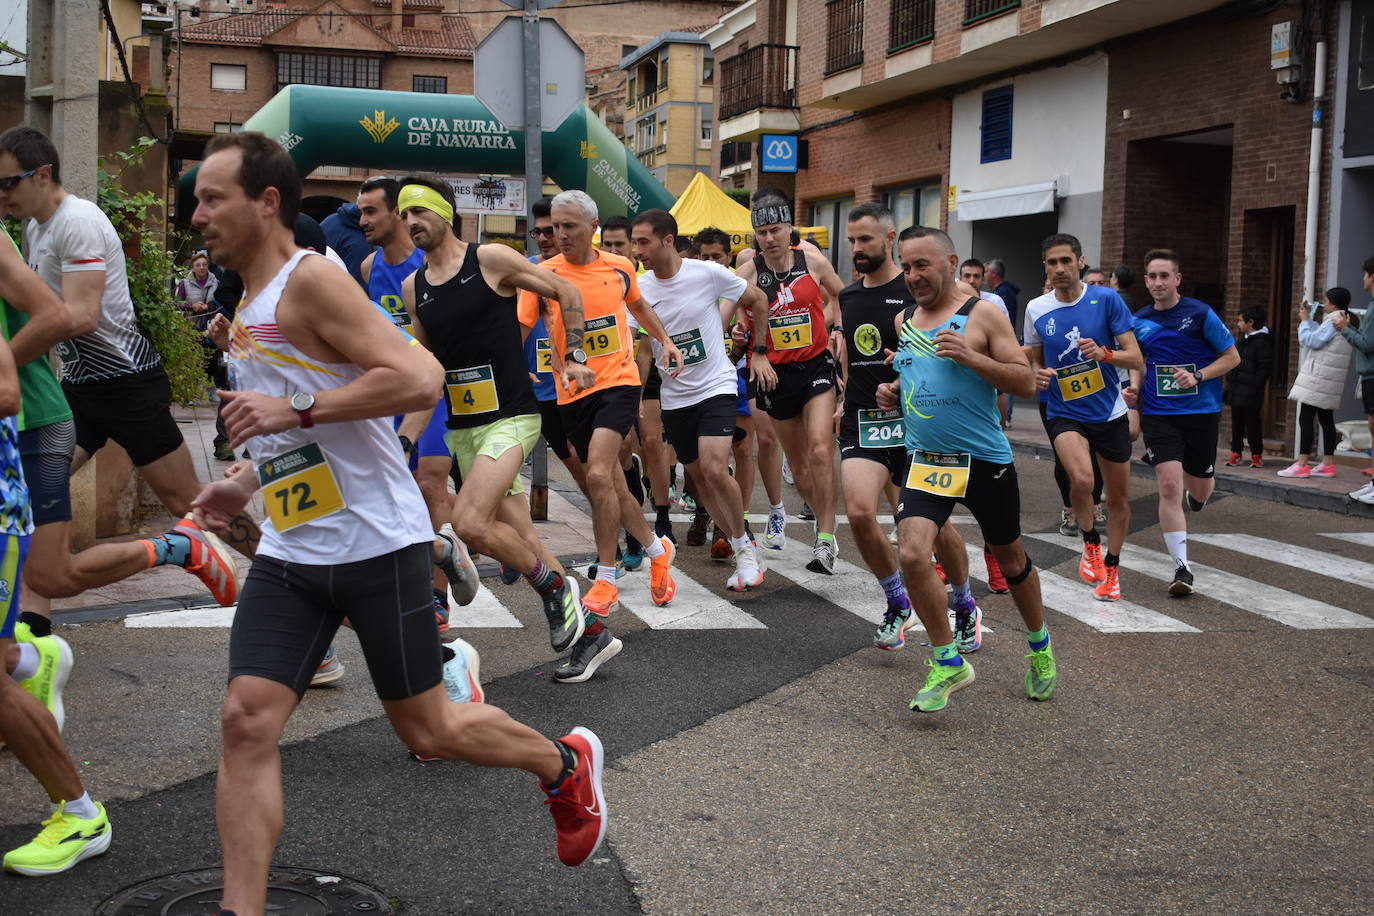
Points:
(939, 473)
(298, 487)
(1080, 380)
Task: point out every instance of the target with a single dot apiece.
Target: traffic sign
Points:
(777, 153)
(499, 74)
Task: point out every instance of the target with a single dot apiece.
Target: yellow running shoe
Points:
(64, 840)
(54, 667)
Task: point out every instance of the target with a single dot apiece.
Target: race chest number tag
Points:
(880, 428)
(299, 487)
(543, 355)
(692, 346)
(790, 332)
(1080, 380)
(1166, 386)
(602, 337)
(939, 473)
(471, 391)
(396, 308)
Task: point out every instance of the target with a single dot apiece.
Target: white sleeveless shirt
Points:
(338, 492)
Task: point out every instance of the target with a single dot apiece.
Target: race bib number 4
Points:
(602, 337)
(880, 428)
(790, 332)
(471, 391)
(543, 355)
(1080, 380)
(939, 473)
(692, 346)
(299, 487)
(1166, 386)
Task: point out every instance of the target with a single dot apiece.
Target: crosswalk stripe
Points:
(1265, 600)
(852, 588)
(191, 617)
(694, 606)
(486, 611)
(1363, 538)
(760, 518)
(1324, 564)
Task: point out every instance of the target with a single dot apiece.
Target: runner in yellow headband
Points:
(417, 195)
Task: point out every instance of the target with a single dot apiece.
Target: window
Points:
(663, 70)
(915, 205)
(228, 127)
(996, 126)
(844, 38)
(407, 20)
(328, 70)
(834, 215)
(627, 50)
(708, 65)
(706, 118)
(978, 10)
(910, 22)
(229, 77)
(1365, 77)
(437, 84)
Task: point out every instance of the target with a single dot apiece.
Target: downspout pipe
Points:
(1313, 216)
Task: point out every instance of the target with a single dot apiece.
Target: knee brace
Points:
(1021, 576)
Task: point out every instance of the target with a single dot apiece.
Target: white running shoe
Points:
(775, 535)
(1362, 492)
(748, 573)
(462, 673)
(787, 473)
(457, 566)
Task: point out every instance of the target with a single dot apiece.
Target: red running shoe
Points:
(578, 805)
(1091, 569)
(210, 562)
(997, 583)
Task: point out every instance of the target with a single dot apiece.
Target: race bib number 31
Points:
(880, 428)
(692, 346)
(471, 391)
(790, 332)
(1166, 386)
(939, 473)
(298, 487)
(602, 337)
(1080, 380)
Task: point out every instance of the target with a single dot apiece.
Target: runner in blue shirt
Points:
(1076, 336)
(1187, 351)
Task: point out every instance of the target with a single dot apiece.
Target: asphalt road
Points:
(1218, 763)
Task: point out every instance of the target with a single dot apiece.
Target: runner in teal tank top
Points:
(954, 353)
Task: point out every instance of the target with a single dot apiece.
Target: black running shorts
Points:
(551, 426)
(133, 410)
(797, 384)
(1111, 440)
(714, 416)
(993, 497)
(893, 457)
(610, 408)
(1187, 437)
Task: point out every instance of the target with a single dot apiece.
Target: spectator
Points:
(345, 236)
(1122, 279)
(1245, 386)
(1321, 376)
(1361, 338)
(996, 274)
(196, 292)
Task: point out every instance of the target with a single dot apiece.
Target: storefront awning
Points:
(1002, 202)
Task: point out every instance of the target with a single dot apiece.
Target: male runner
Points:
(462, 306)
(600, 408)
(615, 237)
(347, 533)
(794, 362)
(956, 353)
(1077, 337)
(1188, 350)
(695, 300)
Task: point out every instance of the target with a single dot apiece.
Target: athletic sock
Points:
(1177, 543)
(662, 522)
(605, 573)
(963, 594)
(654, 549)
(740, 543)
(635, 484)
(569, 763)
(947, 655)
(895, 591)
(594, 627)
(1038, 639)
(170, 549)
(824, 536)
(29, 660)
(544, 580)
(632, 545)
(1090, 535)
(82, 807)
(39, 625)
(1111, 559)
(778, 507)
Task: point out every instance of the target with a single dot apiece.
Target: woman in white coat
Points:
(1321, 377)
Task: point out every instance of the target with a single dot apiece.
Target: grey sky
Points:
(14, 26)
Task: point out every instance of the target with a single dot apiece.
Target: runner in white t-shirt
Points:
(694, 300)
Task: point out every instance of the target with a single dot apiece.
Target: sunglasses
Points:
(544, 230)
(10, 182)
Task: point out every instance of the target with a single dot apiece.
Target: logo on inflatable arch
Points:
(378, 127)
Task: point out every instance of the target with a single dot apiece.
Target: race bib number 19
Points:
(298, 487)
(939, 473)
(602, 337)
(1166, 386)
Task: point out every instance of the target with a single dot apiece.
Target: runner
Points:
(1187, 350)
(794, 366)
(694, 301)
(599, 387)
(462, 306)
(956, 353)
(615, 237)
(346, 534)
(1077, 337)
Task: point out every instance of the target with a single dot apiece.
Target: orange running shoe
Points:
(210, 562)
(1110, 588)
(603, 598)
(662, 588)
(1090, 568)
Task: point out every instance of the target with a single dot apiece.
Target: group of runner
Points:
(355, 404)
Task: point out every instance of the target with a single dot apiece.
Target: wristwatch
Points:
(406, 445)
(578, 356)
(301, 403)
(761, 349)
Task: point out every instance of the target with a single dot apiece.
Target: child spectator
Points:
(1325, 362)
(1245, 386)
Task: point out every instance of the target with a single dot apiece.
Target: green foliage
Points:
(738, 195)
(151, 272)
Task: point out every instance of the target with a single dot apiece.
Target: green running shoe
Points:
(563, 608)
(891, 633)
(54, 667)
(64, 840)
(1040, 677)
(940, 683)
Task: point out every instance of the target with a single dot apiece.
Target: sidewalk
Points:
(1027, 435)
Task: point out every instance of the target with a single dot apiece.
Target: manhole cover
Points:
(290, 892)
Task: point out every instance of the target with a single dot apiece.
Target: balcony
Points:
(910, 22)
(844, 35)
(735, 157)
(758, 92)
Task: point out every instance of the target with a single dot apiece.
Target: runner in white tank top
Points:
(346, 516)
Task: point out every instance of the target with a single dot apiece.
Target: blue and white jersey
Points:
(16, 517)
(1084, 390)
(385, 281)
(1190, 335)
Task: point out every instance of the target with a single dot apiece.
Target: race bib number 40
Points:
(1166, 386)
(790, 332)
(1080, 380)
(939, 473)
(602, 337)
(471, 391)
(880, 428)
(692, 346)
(298, 487)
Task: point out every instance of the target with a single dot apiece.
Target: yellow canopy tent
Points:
(704, 204)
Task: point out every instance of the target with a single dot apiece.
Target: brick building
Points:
(669, 96)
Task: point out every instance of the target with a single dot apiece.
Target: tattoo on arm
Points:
(574, 327)
(244, 535)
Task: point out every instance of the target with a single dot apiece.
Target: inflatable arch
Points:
(399, 132)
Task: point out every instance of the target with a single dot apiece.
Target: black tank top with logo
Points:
(475, 335)
(869, 315)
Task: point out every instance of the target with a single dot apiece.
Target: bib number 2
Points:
(299, 487)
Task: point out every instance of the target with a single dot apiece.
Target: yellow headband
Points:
(418, 195)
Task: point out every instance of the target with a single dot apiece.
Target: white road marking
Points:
(694, 606)
(1363, 538)
(191, 617)
(1316, 561)
(486, 611)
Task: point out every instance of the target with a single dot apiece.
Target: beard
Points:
(866, 265)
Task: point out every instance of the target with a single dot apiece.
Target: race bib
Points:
(880, 428)
(1080, 380)
(602, 337)
(1166, 386)
(395, 307)
(790, 332)
(543, 355)
(471, 391)
(692, 346)
(939, 473)
(299, 487)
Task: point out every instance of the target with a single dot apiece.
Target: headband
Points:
(767, 216)
(419, 195)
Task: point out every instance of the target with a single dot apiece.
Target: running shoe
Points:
(223, 452)
(462, 674)
(210, 562)
(892, 538)
(588, 654)
(1367, 499)
(1325, 469)
(748, 571)
(509, 576)
(1068, 525)
(696, 533)
(1256, 461)
(54, 667)
(1090, 568)
(578, 805)
(632, 559)
(940, 571)
(787, 477)
(441, 613)
(603, 598)
(564, 609)
(1183, 582)
(806, 514)
(687, 503)
(64, 841)
(941, 681)
(997, 583)
(891, 633)
(1110, 588)
(662, 588)
(1296, 470)
(457, 566)
(1362, 492)
(330, 670)
(968, 627)
(619, 565)
(1042, 674)
(823, 554)
(1234, 460)
(775, 535)
(720, 546)
(1099, 515)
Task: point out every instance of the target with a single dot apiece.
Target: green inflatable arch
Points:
(399, 132)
